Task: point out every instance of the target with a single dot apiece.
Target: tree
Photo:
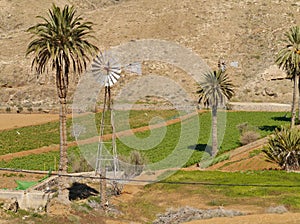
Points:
(61, 43)
(214, 90)
(284, 148)
(288, 59)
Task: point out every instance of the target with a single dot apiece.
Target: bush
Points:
(248, 137)
(284, 148)
(19, 109)
(245, 127)
(78, 164)
(134, 164)
(29, 109)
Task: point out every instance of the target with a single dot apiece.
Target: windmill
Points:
(107, 71)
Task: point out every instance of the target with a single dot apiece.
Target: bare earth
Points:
(287, 218)
(9, 121)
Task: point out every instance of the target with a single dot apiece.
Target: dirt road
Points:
(287, 218)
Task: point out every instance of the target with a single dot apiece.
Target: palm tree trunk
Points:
(63, 163)
(214, 131)
(295, 90)
(298, 98)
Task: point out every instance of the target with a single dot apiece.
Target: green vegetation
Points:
(265, 122)
(288, 59)
(265, 187)
(214, 91)
(32, 137)
(284, 148)
(44, 161)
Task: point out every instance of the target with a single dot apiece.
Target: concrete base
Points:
(33, 200)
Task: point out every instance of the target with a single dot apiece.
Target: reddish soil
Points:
(241, 159)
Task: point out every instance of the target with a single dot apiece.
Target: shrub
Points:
(134, 164)
(248, 137)
(29, 109)
(284, 148)
(78, 164)
(245, 127)
(19, 109)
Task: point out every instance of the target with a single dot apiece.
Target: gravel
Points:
(186, 214)
(278, 209)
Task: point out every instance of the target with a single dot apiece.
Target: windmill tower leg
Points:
(104, 159)
(101, 164)
(103, 185)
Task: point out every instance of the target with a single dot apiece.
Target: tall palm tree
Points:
(61, 43)
(214, 90)
(288, 59)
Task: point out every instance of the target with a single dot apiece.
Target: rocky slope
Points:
(247, 32)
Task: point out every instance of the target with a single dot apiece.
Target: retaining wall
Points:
(35, 200)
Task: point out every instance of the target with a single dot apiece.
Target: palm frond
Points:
(61, 35)
(215, 89)
(284, 148)
(288, 58)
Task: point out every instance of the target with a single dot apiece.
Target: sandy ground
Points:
(287, 218)
(9, 121)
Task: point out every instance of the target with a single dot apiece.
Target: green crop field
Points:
(47, 134)
(277, 187)
(32, 137)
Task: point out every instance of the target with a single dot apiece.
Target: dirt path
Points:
(287, 218)
(45, 149)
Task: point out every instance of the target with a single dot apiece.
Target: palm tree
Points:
(288, 59)
(284, 148)
(61, 44)
(214, 90)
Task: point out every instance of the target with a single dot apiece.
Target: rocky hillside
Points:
(246, 32)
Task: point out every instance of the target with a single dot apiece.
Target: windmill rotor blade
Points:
(113, 79)
(110, 82)
(116, 71)
(106, 69)
(115, 75)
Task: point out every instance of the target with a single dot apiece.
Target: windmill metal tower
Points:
(107, 72)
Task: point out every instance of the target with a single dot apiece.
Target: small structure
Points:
(107, 72)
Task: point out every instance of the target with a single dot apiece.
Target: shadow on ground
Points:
(81, 191)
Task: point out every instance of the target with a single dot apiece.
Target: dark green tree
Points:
(214, 91)
(288, 59)
(60, 42)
